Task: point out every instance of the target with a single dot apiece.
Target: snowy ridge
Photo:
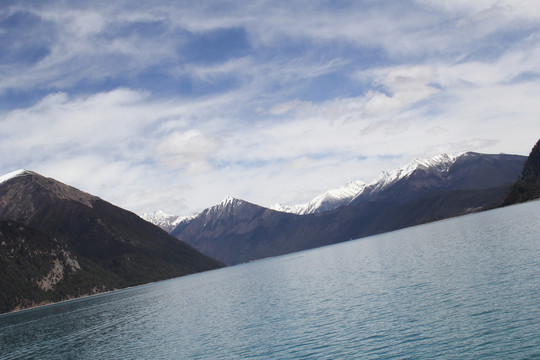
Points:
(439, 163)
(229, 201)
(330, 200)
(13, 174)
(327, 201)
(164, 220)
(227, 204)
(342, 196)
(168, 221)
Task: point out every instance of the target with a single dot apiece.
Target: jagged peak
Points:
(186, 218)
(347, 188)
(351, 189)
(157, 214)
(165, 220)
(338, 197)
(441, 162)
(230, 201)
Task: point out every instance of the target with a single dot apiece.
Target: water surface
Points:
(464, 288)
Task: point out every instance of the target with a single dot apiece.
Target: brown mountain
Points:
(58, 242)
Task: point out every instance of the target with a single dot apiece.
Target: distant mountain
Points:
(236, 231)
(213, 223)
(527, 187)
(443, 172)
(328, 201)
(58, 242)
(165, 221)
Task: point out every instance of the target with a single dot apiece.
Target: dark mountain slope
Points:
(527, 187)
(241, 236)
(483, 171)
(236, 231)
(35, 269)
(469, 171)
(113, 247)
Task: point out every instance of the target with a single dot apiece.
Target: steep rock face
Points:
(236, 231)
(110, 247)
(531, 170)
(527, 187)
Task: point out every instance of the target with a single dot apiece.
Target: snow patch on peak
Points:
(328, 201)
(13, 174)
(348, 189)
(229, 205)
(157, 215)
(164, 220)
(229, 201)
(342, 196)
(440, 163)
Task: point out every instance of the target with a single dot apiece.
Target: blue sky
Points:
(176, 105)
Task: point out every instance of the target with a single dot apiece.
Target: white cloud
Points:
(59, 122)
(295, 105)
(187, 151)
(403, 86)
(485, 8)
(81, 24)
(103, 143)
(211, 72)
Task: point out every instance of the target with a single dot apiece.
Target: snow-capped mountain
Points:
(168, 222)
(439, 164)
(344, 195)
(164, 220)
(330, 200)
(227, 207)
(227, 203)
(228, 219)
(425, 190)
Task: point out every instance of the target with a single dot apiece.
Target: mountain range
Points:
(57, 243)
(237, 231)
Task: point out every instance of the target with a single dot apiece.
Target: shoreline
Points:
(52, 303)
(78, 298)
(104, 293)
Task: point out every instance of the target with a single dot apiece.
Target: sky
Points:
(175, 105)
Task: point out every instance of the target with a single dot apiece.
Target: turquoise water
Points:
(465, 288)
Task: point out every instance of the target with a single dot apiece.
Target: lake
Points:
(463, 288)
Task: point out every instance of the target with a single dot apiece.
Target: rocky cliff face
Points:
(527, 187)
(73, 244)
